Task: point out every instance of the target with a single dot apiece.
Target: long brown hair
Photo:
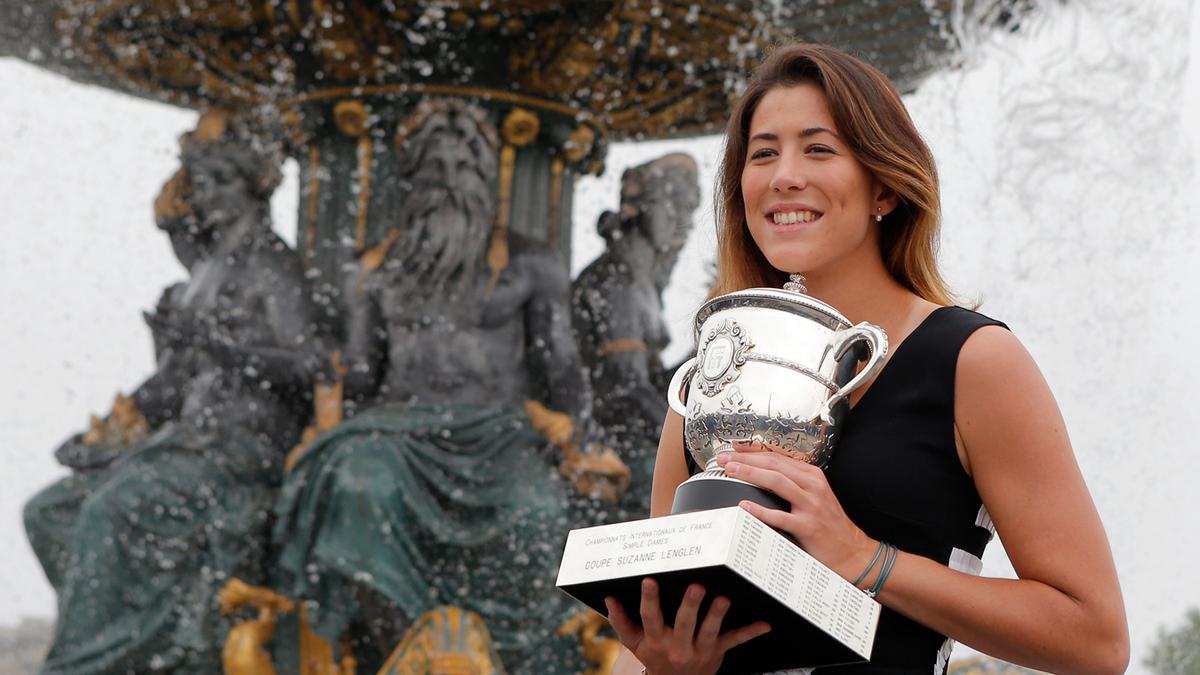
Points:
(873, 121)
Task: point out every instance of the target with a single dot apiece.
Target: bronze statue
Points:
(138, 558)
(440, 491)
(617, 311)
(50, 515)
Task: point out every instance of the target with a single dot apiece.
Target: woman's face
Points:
(810, 204)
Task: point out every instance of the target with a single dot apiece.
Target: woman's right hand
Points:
(680, 648)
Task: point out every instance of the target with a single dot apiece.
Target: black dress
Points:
(897, 474)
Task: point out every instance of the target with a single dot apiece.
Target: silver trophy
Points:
(772, 366)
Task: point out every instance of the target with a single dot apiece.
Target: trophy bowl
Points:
(773, 367)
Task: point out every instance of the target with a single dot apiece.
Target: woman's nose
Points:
(789, 175)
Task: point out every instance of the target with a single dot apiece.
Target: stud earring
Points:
(879, 216)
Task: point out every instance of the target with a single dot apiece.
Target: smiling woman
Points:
(846, 110)
(958, 437)
(810, 205)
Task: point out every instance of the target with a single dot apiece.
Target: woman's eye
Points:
(820, 149)
(761, 152)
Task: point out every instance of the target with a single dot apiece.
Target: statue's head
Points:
(448, 153)
(174, 215)
(658, 199)
(232, 165)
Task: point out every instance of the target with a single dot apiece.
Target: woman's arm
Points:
(670, 469)
(1064, 614)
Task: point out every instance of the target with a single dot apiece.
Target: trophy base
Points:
(712, 489)
(816, 617)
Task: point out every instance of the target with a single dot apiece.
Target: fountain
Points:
(357, 93)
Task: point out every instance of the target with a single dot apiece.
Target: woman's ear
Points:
(886, 200)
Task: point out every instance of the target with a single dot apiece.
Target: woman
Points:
(825, 174)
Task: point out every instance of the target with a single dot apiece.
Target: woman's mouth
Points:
(799, 216)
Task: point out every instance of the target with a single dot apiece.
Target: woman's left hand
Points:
(816, 519)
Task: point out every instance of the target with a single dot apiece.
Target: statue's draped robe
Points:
(140, 550)
(428, 506)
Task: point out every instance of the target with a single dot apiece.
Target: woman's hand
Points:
(680, 648)
(816, 519)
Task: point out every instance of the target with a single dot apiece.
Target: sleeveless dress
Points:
(897, 475)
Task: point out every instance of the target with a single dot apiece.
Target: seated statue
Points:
(172, 493)
(440, 491)
(617, 312)
(51, 514)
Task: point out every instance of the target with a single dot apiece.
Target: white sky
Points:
(1067, 161)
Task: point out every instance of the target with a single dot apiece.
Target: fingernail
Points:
(694, 592)
(732, 467)
(721, 604)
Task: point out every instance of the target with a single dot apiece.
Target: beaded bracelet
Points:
(878, 550)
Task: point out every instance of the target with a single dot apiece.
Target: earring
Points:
(879, 216)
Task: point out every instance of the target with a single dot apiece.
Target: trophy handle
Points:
(843, 340)
(675, 390)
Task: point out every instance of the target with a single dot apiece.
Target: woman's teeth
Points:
(787, 217)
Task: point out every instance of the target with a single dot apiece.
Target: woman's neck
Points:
(866, 292)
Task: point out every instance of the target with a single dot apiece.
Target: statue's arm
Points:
(366, 343)
(302, 354)
(160, 396)
(626, 374)
(294, 355)
(551, 347)
(163, 340)
(661, 373)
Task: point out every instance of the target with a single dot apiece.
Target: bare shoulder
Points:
(1005, 412)
(992, 365)
(990, 344)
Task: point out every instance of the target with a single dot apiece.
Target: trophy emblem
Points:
(722, 356)
(795, 360)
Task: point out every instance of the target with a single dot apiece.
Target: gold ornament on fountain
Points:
(328, 398)
(245, 650)
(354, 119)
(292, 121)
(577, 146)
(596, 471)
(211, 127)
(519, 129)
(172, 199)
(601, 651)
(579, 143)
(445, 641)
(123, 426)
